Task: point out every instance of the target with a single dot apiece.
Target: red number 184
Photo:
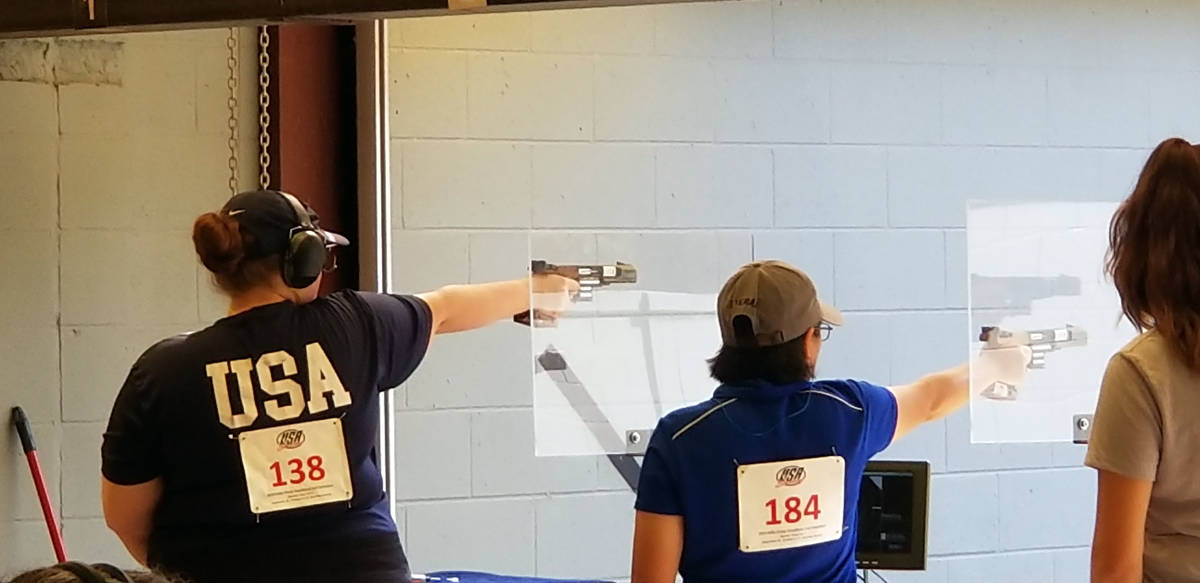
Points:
(315, 472)
(792, 513)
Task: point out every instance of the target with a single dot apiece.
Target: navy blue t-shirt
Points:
(691, 464)
(176, 419)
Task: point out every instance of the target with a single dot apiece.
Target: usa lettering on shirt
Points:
(285, 397)
(294, 465)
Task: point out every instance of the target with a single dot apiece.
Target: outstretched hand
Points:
(551, 295)
(1008, 365)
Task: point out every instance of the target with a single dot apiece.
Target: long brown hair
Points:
(1154, 248)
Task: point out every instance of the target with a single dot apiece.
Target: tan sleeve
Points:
(1126, 436)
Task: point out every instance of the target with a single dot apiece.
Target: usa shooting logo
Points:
(789, 476)
(289, 439)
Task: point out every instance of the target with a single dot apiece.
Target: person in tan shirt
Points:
(1145, 442)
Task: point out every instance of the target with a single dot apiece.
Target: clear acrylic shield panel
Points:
(632, 345)
(1036, 277)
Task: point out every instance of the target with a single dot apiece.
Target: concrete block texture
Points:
(29, 192)
(1101, 109)
(530, 96)
(29, 357)
(716, 29)
(464, 184)
(994, 106)
(81, 463)
(886, 104)
(37, 102)
(593, 185)
(129, 86)
(26, 546)
(503, 461)
(429, 444)
(472, 31)
(495, 536)
(498, 372)
(609, 30)
(427, 93)
(142, 182)
(830, 31)
(889, 269)
(1072, 565)
(930, 187)
(29, 291)
(1002, 568)
(771, 101)
(823, 186)
(964, 514)
(562, 519)
(707, 186)
(962, 455)
(654, 98)
(1170, 111)
(133, 272)
(1034, 515)
(426, 260)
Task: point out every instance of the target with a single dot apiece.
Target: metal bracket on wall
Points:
(1082, 428)
(636, 441)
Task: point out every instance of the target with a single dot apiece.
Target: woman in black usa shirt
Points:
(246, 451)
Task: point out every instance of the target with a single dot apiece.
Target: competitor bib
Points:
(790, 504)
(296, 466)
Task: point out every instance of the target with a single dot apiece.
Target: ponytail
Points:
(1154, 248)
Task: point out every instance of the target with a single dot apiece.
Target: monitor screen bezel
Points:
(915, 559)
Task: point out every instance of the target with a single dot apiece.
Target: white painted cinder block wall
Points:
(101, 175)
(843, 136)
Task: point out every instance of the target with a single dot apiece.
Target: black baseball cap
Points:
(269, 217)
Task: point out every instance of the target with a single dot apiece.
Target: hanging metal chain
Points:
(264, 102)
(232, 82)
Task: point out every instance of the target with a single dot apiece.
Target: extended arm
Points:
(937, 395)
(931, 397)
(456, 308)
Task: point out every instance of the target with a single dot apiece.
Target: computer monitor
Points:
(893, 513)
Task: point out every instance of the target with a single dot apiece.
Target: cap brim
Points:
(830, 314)
(332, 238)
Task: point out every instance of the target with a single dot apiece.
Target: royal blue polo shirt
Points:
(691, 462)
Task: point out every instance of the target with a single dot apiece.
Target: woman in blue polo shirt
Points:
(760, 483)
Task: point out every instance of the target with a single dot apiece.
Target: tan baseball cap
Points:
(780, 301)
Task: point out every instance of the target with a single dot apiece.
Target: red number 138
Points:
(296, 471)
(792, 512)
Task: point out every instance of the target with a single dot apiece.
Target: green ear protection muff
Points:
(306, 253)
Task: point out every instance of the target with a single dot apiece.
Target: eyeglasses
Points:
(330, 260)
(824, 330)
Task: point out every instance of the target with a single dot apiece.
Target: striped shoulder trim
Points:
(834, 397)
(701, 418)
